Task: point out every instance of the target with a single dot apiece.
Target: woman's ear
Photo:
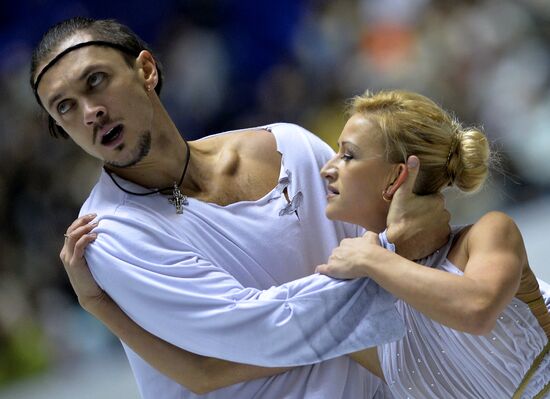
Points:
(148, 66)
(402, 174)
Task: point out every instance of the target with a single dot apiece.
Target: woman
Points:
(476, 320)
(477, 323)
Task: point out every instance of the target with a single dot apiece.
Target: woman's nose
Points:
(328, 171)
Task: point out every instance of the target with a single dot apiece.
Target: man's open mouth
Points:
(111, 135)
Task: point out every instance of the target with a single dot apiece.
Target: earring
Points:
(385, 196)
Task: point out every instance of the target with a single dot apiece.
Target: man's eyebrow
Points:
(52, 100)
(82, 76)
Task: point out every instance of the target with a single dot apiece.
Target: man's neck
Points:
(164, 163)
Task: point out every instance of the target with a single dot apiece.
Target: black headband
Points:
(75, 47)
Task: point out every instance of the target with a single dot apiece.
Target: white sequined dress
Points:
(434, 361)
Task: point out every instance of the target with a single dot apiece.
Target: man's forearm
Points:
(197, 373)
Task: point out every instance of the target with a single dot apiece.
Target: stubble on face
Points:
(140, 151)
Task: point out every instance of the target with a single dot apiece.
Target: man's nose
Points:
(93, 113)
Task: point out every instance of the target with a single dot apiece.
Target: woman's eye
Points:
(95, 78)
(346, 157)
(63, 107)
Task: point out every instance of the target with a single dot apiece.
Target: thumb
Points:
(413, 166)
(321, 269)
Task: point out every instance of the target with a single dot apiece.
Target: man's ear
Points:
(148, 68)
(402, 174)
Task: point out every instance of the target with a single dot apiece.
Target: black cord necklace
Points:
(177, 199)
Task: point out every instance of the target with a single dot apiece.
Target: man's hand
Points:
(417, 225)
(78, 236)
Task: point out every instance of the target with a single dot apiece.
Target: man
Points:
(208, 267)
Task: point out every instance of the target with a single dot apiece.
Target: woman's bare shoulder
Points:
(496, 231)
(496, 223)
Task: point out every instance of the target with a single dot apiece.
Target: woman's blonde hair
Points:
(412, 124)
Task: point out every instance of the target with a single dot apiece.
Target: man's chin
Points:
(139, 152)
(122, 164)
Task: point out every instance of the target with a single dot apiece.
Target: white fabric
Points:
(212, 281)
(434, 361)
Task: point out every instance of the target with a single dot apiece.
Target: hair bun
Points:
(468, 164)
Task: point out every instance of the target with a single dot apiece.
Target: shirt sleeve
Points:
(174, 293)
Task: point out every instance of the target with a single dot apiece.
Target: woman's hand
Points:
(78, 236)
(352, 258)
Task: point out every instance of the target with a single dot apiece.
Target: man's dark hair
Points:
(107, 30)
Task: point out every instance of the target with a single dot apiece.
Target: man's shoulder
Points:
(259, 135)
(259, 140)
(102, 198)
(287, 136)
(263, 141)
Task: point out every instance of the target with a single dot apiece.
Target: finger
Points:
(321, 269)
(78, 232)
(81, 245)
(71, 238)
(80, 221)
(346, 242)
(438, 205)
(372, 238)
(413, 166)
(63, 254)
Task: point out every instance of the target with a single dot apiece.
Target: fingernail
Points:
(91, 215)
(412, 162)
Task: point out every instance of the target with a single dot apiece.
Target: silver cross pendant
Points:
(178, 199)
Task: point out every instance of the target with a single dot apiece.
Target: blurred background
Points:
(243, 63)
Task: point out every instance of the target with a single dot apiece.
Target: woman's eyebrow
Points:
(349, 144)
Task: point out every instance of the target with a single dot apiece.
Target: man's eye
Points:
(63, 107)
(96, 78)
